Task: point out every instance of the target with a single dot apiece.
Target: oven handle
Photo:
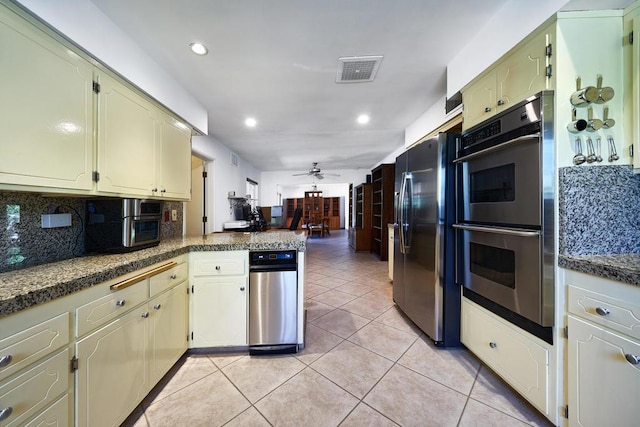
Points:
(496, 147)
(498, 230)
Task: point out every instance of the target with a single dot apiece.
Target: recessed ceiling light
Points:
(198, 48)
(251, 122)
(363, 119)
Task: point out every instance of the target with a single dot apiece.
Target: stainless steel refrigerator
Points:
(423, 271)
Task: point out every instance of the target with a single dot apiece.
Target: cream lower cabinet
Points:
(603, 351)
(519, 358)
(219, 299)
(168, 342)
(127, 352)
(112, 376)
(46, 110)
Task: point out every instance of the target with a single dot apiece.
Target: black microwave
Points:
(121, 225)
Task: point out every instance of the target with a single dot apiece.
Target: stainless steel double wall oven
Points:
(505, 223)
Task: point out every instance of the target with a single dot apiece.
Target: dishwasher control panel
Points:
(271, 258)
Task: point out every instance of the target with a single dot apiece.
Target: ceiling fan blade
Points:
(332, 174)
(319, 176)
(300, 174)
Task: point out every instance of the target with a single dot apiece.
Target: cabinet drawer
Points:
(102, 310)
(168, 279)
(35, 389)
(220, 264)
(55, 415)
(25, 347)
(513, 355)
(621, 316)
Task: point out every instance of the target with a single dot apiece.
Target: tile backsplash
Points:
(24, 243)
(599, 210)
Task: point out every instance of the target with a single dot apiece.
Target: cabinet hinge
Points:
(565, 411)
(565, 332)
(549, 50)
(631, 151)
(549, 71)
(96, 87)
(204, 219)
(74, 364)
(191, 288)
(631, 37)
(204, 174)
(95, 175)
(191, 336)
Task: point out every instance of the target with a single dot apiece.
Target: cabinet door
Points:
(168, 339)
(479, 100)
(219, 311)
(523, 73)
(174, 164)
(112, 370)
(46, 110)
(126, 140)
(603, 386)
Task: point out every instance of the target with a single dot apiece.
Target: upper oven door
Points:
(503, 185)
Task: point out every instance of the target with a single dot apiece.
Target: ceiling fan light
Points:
(250, 122)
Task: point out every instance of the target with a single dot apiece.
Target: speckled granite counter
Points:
(599, 228)
(25, 288)
(621, 267)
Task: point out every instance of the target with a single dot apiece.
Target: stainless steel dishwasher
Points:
(273, 302)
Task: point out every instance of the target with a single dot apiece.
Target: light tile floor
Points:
(365, 364)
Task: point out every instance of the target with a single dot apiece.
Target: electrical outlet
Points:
(56, 220)
(174, 215)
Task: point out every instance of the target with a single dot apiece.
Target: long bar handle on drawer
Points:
(5, 413)
(5, 360)
(633, 359)
(139, 278)
(497, 230)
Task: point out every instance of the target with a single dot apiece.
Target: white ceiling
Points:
(276, 61)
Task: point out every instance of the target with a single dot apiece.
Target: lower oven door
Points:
(503, 265)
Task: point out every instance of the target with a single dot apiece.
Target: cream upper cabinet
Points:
(46, 110)
(632, 78)
(142, 151)
(126, 140)
(174, 159)
(522, 72)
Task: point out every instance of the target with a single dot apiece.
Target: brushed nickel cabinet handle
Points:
(602, 311)
(5, 413)
(5, 360)
(501, 102)
(157, 306)
(173, 277)
(121, 303)
(242, 288)
(487, 109)
(144, 314)
(633, 359)
(493, 345)
(218, 267)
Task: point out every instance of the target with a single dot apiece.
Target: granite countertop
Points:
(21, 289)
(621, 267)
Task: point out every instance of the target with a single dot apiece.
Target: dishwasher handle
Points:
(271, 268)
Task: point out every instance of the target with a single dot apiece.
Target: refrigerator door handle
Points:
(401, 211)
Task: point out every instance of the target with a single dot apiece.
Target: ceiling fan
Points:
(316, 172)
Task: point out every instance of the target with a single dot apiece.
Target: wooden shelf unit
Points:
(361, 236)
(290, 206)
(382, 178)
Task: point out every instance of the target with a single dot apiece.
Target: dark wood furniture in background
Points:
(329, 207)
(290, 206)
(360, 237)
(383, 178)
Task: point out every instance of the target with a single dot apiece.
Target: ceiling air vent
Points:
(355, 69)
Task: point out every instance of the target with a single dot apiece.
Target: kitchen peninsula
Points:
(121, 321)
